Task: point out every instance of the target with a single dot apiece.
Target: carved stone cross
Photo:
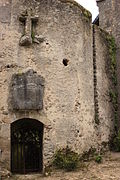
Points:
(28, 19)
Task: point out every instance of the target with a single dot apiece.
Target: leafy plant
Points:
(98, 158)
(66, 159)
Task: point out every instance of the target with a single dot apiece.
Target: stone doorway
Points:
(26, 146)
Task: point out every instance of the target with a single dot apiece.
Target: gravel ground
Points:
(109, 169)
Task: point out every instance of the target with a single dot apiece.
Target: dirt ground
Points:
(109, 169)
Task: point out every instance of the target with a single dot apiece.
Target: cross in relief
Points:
(28, 19)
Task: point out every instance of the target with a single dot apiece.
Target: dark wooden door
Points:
(26, 146)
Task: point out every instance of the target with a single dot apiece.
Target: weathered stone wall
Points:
(68, 104)
(109, 20)
(59, 48)
(106, 120)
(106, 14)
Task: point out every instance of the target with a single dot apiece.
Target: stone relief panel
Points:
(26, 91)
(29, 20)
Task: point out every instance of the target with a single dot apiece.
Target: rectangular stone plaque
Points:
(26, 91)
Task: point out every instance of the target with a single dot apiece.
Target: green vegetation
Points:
(98, 159)
(112, 52)
(115, 141)
(113, 97)
(87, 14)
(92, 154)
(66, 159)
(113, 94)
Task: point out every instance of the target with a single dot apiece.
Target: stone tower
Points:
(109, 20)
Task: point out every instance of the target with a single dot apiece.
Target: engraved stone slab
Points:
(5, 11)
(26, 91)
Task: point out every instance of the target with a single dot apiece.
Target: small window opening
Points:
(65, 62)
(8, 66)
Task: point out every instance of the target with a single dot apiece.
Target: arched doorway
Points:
(26, 146)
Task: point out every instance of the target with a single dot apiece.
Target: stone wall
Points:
(106, 14)
(68, 104)
(106, 120)
(56, 42)
(109, 20)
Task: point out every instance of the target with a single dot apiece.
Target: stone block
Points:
(26, 91)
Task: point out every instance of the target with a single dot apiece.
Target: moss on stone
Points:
(19, 73)
(113, 94)
(112, 53)
(72, 2)
(86, 13)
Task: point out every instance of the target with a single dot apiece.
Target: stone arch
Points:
(37, 115)
(26, 146)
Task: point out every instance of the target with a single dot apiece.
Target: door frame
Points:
(17, 125)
